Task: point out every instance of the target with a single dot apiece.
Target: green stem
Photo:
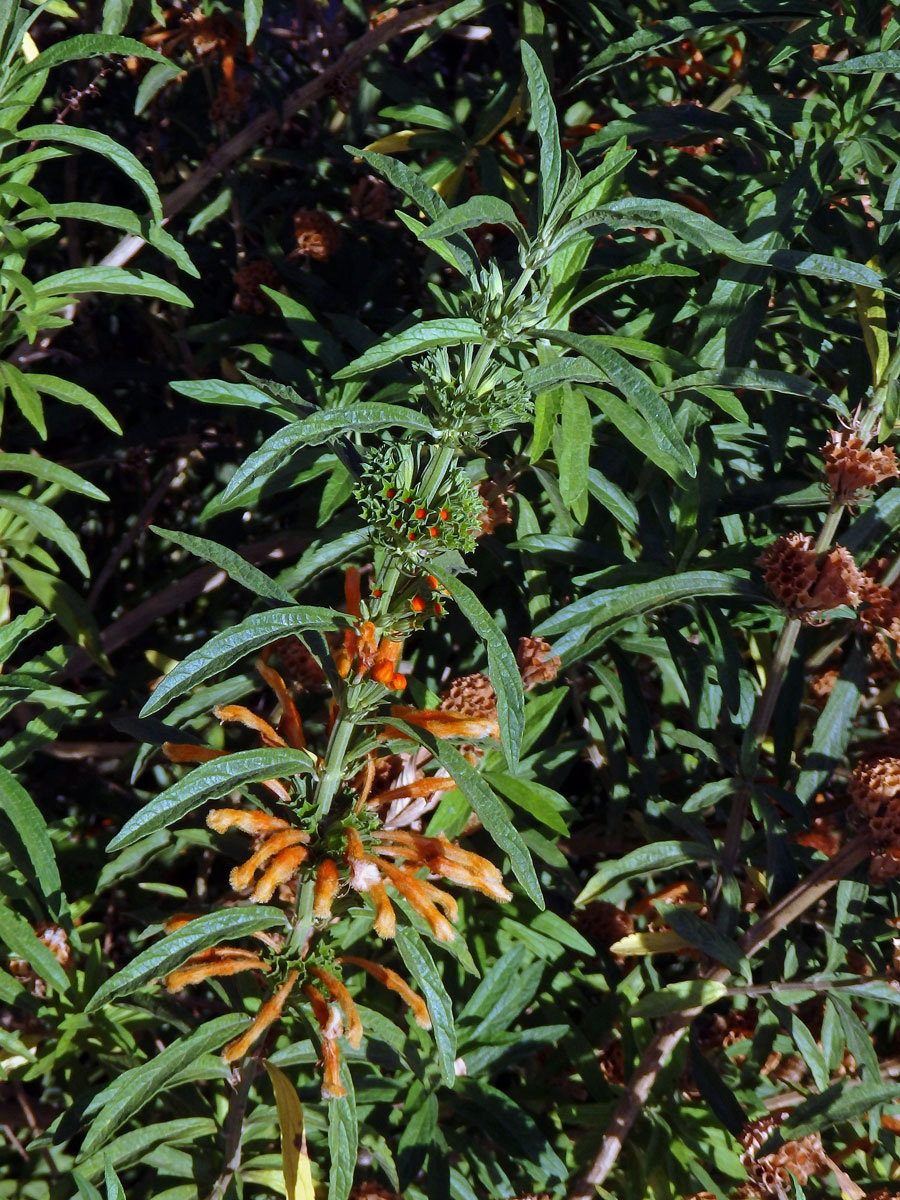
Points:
(333, 765)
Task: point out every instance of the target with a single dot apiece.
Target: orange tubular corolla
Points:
(443, 724)
(326, 886)
(385, 918)
(267, 1015)
(242, 877)
(196, 972)
(339, 994)
(396, 983)
(249, 821)
(184, 752)
(290, 724)
(238, 714)
(283, 868)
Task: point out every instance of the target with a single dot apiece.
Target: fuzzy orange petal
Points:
(196, 973)
(241, 877)
(414, 892)
(284, 867)
(396, 983)
(332, 1088)
(424, 889)
(385, 919)
(340, 995)
(445, 724)
(247, 820)
(238, 714)
(184, 752)
(326, 886)
(410, 791)
(267, 1015)
(290, 724)
(466, 877)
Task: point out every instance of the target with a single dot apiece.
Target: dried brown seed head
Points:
(316, 233)
(471, 695)
(300, 666)
(804, 585)
(603, 923)
(802, 1158)
(536, 665)
(852, 467)
(248, 280)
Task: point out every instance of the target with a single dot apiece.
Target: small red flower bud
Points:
(433, 531)
(432, 581)
(376, 592)
(398, 524)
(398, 683)
(418, 604)
(411, 536)
(407, 499)
(438, 610)
(391, 493)
(420, 513)
(444, 514)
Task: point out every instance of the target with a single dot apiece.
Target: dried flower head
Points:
(248, 280)
(535, 662)
(875, 794)
(603, 923)
(802, 584)
(802, 1158)
(316, 233)
(56, 940)
(301, 667)
(853, 467)
(822, 685)
(370, 199)
(472, 695)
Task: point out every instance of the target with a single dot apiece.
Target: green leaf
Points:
(610, 604)
(45, 468)
(100, 143)
(29, 831)
(18, 936)
(65, 604)
(88, 45)
(319, 427)
(253, 10)
(117, 281)
(478, 210)
(210, 781)
(574, 453)
(866, 64)
(227, 648)
(541, 802)
(132, 1089)
(755, 379)
(676, 997)
(116, 217)
(71, 393)
(343, 1134)
(224, 925)
(427, 335)
(834, 726)
(636, 387)
(658, 856)
(19, 629)
(502, 668)
(132, 1147)
(489, 809)
(421, 967)
(707, 938)
(465, 10)
(232, 564)
(840, 1103)
(49, 524)
(543, 113)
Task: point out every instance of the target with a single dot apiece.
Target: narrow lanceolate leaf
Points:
(49, 524)
(707, 938)
(502, 669)
(45, 468)
(759, 380)
(343, 1139)
(687, 993)
(319, 427)
(29, 835)
(100, 143)
(488, 808)
(132, 1147)
(612, 603)
(225, 649)
(637, 389)
(478, 210)
(132, 1089)
(19, 629)
(421, 967)
(111, 281)
(834, 726)
(210, 781)
(232, 564)
(22, 942)
(298, 1184)
(89, 45)
(543, 113)
(427, 335)
(225, 925)
(658, 856)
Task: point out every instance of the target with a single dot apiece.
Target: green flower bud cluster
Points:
(472, 413)
(503, 317)
(402, 516)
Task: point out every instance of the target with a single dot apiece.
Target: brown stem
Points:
(670, 1033)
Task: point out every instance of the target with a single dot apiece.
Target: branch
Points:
(673, 1028)
(243, 141)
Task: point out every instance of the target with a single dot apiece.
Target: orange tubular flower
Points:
(415, 892)
(267, 1015)
(411, 791)
(284, 867)
(385, 918)
(237, 714)
(427, 891)
(242, 877)
(249, 821)
(290, 723)
(330, 1026)
(396, 983)
(340, 995)
(228, 964)
(444, 724)
(384, 668)
(352, 594)
(326, 886)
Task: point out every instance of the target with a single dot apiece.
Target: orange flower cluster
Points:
(805, 583)
(691, 63)
(377, 658)
(853, 468)
(279, 853)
